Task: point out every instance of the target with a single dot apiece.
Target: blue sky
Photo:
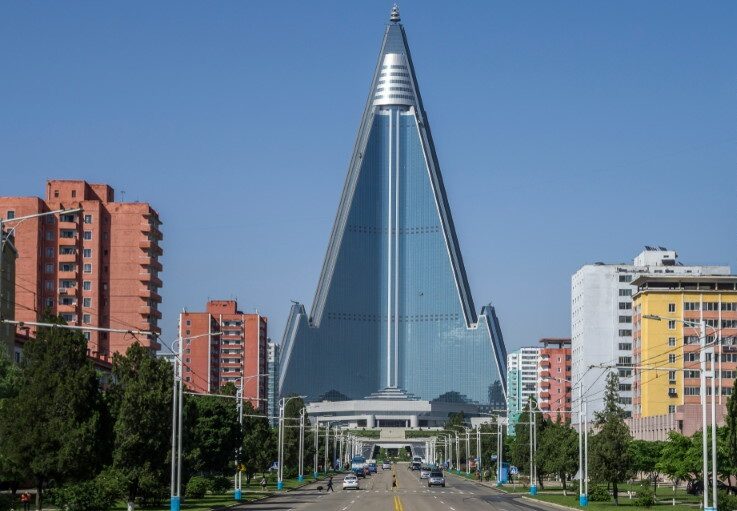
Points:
(567, 132)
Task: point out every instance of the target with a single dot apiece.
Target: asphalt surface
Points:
(411, 494)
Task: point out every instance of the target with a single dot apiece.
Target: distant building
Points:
(272, 358)
(522, 379)
(8, 256)
(238, 355)
(601, 321)
(554, 378)
(99, 267)
(674, 347)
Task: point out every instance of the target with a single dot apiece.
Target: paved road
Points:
(411, 494)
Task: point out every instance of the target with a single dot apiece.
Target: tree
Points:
(213, 435)
(259, 443)
(675, 461)
(519, 450)
(291, 434)
(645, 457)
(731, 429)
(141, 403)
(9, 381)
(54, 427)
(609, 451)
(558, 451)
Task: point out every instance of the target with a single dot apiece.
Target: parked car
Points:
(350, 482)
(436, 479)
(424, 472)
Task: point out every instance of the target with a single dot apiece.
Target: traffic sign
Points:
(513, 470)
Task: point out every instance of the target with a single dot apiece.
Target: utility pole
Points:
(301, 476)
(237, 479)
(458, 456)
(327, 446)
(533, 486)
(317, 448)
(478, 449)
(468, 451)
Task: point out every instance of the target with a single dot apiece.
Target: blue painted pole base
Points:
(315, 474)
(237, 494)
(710, 509)
(583, 500)
(174, 504)
(533, 490)
(280, 485)
(300, 477)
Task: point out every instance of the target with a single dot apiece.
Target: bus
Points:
(358, 463)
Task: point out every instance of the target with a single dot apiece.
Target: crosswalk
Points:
(406, 491)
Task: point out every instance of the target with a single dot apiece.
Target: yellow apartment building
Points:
(667, 310)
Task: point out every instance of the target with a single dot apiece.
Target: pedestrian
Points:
(25, 499)
(330, 484)
(263, 483)
(394, 480)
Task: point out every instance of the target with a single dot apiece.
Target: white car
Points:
(350, 482)
(424, 472)
(386, 466)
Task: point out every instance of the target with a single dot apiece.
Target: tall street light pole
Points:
(280, 469)
(317, 448)
(301, 476)
(468, 451)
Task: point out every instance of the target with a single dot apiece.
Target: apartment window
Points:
(87, 252)
(186, 332)
(49, 285)
(74, 193)
(691, 391)
(691, 374)
(672, 391)
(625, 361)
(671, 376)
(87, 302)
(625, 387)
(49, 268)
(625, 306)
(86, 319)
(671, 325)
(671, 307)
(88, 235)
(49, 252)
(729, 374)
(66, 234)
(10, 215)
(691, 306)
(86, 336)
(625, 346)
(691, 357)
(729, 323)
(625, 333)
(87, 285)
(189, 322)
(625, 319)
(625, 278)
(729, 306)
(87, 268)
(88, 219)
(691, 339)
(672, 358)
(625, 292)
(671, 341)
(671, 408)
(49, 235)
(711, 306)
(66, 250)
(56, 194)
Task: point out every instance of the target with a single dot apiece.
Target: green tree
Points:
(731, 429)
(675, 460)
(609, 450)
(259, 443)
(10, 474)
(519, 449)
(291, 435)
(213, 435)
(141, 401)
(645, 456)
(54, 427)
(558, 451)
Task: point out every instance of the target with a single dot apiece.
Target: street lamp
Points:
(468, 451)
(317, 448)
(280, 468)
(176, 421)
(5, 238)
(300, 476)
(701, 325)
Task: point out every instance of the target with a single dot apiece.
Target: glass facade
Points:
(393, 306)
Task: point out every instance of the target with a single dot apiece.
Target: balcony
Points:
(545, 363)
(68, 258)
(545, 374)
(67, 307)
(544, 384)
(545, 395)
(145, 292)
(150, 278)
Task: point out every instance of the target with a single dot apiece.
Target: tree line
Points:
(85, 439)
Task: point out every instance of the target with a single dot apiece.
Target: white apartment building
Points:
(522, 378)
(601, 322)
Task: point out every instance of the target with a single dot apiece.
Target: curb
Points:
(551, 504)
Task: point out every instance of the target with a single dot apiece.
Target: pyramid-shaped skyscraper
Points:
(393, 307)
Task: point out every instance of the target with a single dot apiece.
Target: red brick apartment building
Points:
(238, 355)
(99, 267)
(554, 376)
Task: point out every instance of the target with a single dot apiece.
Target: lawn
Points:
(210, 502)
(572, 501)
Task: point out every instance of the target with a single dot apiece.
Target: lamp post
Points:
(317, 448)
(301, 476)
(280, 468)
(478, 449)
(533, 485)
(176, 418)
(458, 456)
(5, 238)
(702, 389)
(327, 447)
(468, 451)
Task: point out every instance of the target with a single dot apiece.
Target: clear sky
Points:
(567, 133)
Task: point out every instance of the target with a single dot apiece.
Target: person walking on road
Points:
(263, 483)
(25, 499)
(330, 484)
(394, 481)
